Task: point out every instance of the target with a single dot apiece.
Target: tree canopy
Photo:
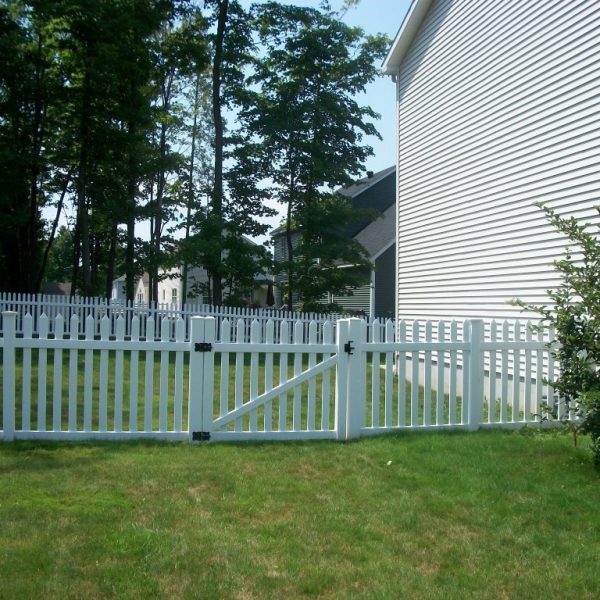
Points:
(157, 130)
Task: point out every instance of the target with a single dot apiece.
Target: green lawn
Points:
(449, 516)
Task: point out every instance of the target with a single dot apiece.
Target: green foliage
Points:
(574, 313)
(299, 110)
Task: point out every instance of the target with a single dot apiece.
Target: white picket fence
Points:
(37, 305)
(305, 385)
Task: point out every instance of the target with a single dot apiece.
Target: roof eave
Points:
(412, 21)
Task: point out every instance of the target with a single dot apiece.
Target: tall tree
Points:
(180, 54)
(301, 104)
(30, 104)
(235, 206)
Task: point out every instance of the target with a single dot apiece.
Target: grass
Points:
(449, 516)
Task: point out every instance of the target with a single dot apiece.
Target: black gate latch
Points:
(200, 436)
(348, 347)
(203, 347)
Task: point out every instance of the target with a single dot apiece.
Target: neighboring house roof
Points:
(381, 199)
(412, 21)
(362, 185)
(379, 234)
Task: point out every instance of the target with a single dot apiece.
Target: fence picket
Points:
(327, 335)
(527, 407)
(452, 400)
(375, 375)
(224, 377)
(103, 376)
(134, 376)
(504, 376)
(427, 375)
(389, 374)
(464, 405)
(492, 379)
(119, 326)
(255, 340)
(269, 340)
(414, 384)
(516, 379)
(178, 402)
(441, 371)
(550, 395)
(401, 357)
(312, 383)
(149, 377)
(539, 377)
(165, 335)
(297, 406)
(59, 329)
(239, 372)
(42, 374)
(88, 375)
(284, 336)
(27, 384)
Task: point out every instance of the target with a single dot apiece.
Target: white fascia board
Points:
(382, 250)
(412, 21)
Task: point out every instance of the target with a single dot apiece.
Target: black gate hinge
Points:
(348, 347)
(203, 347)
(200, 436)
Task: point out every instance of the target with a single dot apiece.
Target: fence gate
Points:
(262, 389)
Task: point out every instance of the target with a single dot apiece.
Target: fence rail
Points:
(312, 382)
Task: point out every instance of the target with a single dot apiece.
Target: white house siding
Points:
(498, 108)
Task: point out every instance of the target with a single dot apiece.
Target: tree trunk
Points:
(217, 195)
(190, 200)
(130, 241)
(82, 205)
(59, 208)
(110, 267)
(31, 256)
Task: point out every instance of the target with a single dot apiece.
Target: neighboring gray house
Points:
(497, 108)
(377, 236)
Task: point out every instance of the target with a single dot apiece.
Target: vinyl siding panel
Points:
(357, 303)
(498, 107)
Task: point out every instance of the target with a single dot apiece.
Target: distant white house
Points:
(497, 108)
(170, 288)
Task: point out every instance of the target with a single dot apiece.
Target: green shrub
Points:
(574, 313)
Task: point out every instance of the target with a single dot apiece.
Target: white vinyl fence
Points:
(305, 385)
(37, 305)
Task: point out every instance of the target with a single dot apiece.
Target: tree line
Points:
(182, 119)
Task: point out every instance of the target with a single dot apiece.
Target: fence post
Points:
(8, 375)
(341, 380)
(196, 378)
(476, 375)
(356, 378)
(201, 378)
